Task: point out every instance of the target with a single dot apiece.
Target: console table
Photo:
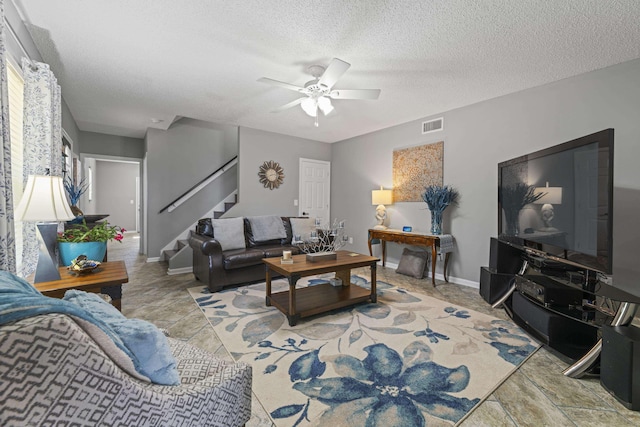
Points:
(416, 239)
(106, 279)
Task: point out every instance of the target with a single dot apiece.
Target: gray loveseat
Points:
(78, 361)
(220, 265)
(56, 373)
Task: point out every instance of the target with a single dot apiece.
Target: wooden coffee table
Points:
(311, 300)
(106, 279)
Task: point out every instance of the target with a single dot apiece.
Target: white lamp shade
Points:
(310, 106)
(43, 199)
(381, 197)
(553, 195)
(324, 104)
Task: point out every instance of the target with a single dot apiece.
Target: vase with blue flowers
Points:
(74, 191)
(437, 198)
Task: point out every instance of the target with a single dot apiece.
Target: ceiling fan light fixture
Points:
(319, 91)
(324, 104)
(310, 106)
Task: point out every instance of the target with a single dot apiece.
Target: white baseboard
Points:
(439, 276)
(153, 259)
(464, 282)
(181, 270)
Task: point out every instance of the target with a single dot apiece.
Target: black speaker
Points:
(504, 258)
(566, 335)
(620, 364)
(493, 285)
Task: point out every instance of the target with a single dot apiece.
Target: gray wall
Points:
(258, 146)
(177, 159)
(94, 146)
(478, 137)
(69, 125)
(111, 145)
(116, 186)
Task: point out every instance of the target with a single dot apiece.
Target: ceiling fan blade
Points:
(281, 84)
(355, 94)
(334, 71)
(289, 105)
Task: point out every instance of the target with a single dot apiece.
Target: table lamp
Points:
(381, 197)
(551, 196)
(44, 202)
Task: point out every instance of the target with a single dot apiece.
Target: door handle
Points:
(305, 213)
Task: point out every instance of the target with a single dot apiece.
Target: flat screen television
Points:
(559, 201)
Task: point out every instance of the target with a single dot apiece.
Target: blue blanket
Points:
(141, 341)
(20, 300)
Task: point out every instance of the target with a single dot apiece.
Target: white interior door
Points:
(315, 182)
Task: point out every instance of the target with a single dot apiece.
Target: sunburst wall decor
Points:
(271, 174)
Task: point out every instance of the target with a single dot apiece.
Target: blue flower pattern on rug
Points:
(363, 381)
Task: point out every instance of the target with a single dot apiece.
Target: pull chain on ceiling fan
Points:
(318, 92)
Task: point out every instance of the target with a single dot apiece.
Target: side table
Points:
(106, 279)
(416, 239)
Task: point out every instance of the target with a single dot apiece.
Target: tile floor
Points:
(537, 394)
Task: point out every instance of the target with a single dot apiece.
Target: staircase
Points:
(180, 256)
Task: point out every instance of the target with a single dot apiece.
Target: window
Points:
(16, 96)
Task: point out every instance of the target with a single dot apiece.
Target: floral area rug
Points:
(408, 360)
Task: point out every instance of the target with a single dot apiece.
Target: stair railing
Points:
(199, 186)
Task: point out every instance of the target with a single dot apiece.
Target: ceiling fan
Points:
(319, 91)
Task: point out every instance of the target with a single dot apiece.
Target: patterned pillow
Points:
(229, 232)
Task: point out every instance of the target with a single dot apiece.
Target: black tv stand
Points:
(562, 305)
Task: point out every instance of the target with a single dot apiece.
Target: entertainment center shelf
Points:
(562, 305)
(551, 265)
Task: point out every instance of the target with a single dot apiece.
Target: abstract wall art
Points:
(414, 168)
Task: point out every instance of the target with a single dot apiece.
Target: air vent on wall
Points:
(434, 125)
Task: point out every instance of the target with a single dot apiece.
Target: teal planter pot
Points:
(93, 250)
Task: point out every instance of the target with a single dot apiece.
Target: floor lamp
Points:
(43, 201)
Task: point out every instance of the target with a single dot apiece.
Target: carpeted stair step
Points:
(181, 257)
(182, 243)
(170, 253)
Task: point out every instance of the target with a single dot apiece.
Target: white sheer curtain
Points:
(42, 140)
(7, 242)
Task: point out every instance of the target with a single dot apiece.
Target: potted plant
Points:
(74, 192)
(79, 239)
(437, 198)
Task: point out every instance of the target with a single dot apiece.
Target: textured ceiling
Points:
(122, 62)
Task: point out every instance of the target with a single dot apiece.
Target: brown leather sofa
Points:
(219, 269)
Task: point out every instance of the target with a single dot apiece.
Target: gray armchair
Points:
(57, 369)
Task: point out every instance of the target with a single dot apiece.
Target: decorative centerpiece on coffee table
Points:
(324, 242)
